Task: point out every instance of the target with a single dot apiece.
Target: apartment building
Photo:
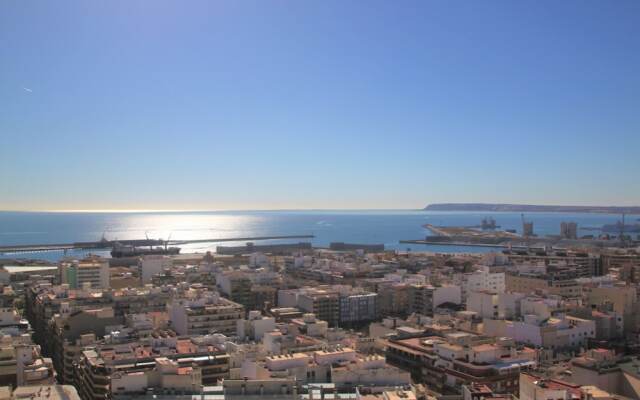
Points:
(336, 304)
(167, 378)
(107, 368)
(92, 272)
(459, 358)
(151, 265)
(43, 302)
(371, 372)
(277, 342)
(342, 366)
(608, 371)
(255, 326)
(21, 362)
(19, 275)
(323, 303)
(236, 286)
(561, 332)
(621, 298)
(424, 299)
(482, 280)
(489, 304)
(358, 307)
(70, 332)
(619, 258)
(531, 283)
(207, 313)
(254, 289)
(394, 299)
(584, 264)
(629, 273)
(143, 300)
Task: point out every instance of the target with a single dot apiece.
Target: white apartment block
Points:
(208, 314)
(552, 333)
(488, 304)
(255, 326)
(152, 265)
(483, 280)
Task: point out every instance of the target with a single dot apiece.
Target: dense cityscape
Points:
(348, 321)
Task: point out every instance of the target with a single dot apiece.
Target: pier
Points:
(107, 244)
(448, 243)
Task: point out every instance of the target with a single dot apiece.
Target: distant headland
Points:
(490, 207)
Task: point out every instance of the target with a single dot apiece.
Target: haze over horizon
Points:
(205, 210)
(327, 105)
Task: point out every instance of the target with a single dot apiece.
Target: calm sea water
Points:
(386, 226)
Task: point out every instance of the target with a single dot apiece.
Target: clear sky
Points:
(318, 104)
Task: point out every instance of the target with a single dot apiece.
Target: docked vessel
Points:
(120, 251)
(488, 223)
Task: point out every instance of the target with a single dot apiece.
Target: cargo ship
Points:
(120, 251)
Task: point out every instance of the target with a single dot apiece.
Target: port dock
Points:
(447, 243)
(107, 244)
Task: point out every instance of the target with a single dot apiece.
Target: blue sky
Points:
(326, 104)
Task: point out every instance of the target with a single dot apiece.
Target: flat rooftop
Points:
(12, 269)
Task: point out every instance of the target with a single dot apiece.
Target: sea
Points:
(351, 226)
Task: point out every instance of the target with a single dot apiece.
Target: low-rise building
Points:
(45, 392)
(255, 326)
(602, 368)
(309, 325)
(534, 387)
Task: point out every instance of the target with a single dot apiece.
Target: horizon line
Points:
(131, 211)
(105, 211)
